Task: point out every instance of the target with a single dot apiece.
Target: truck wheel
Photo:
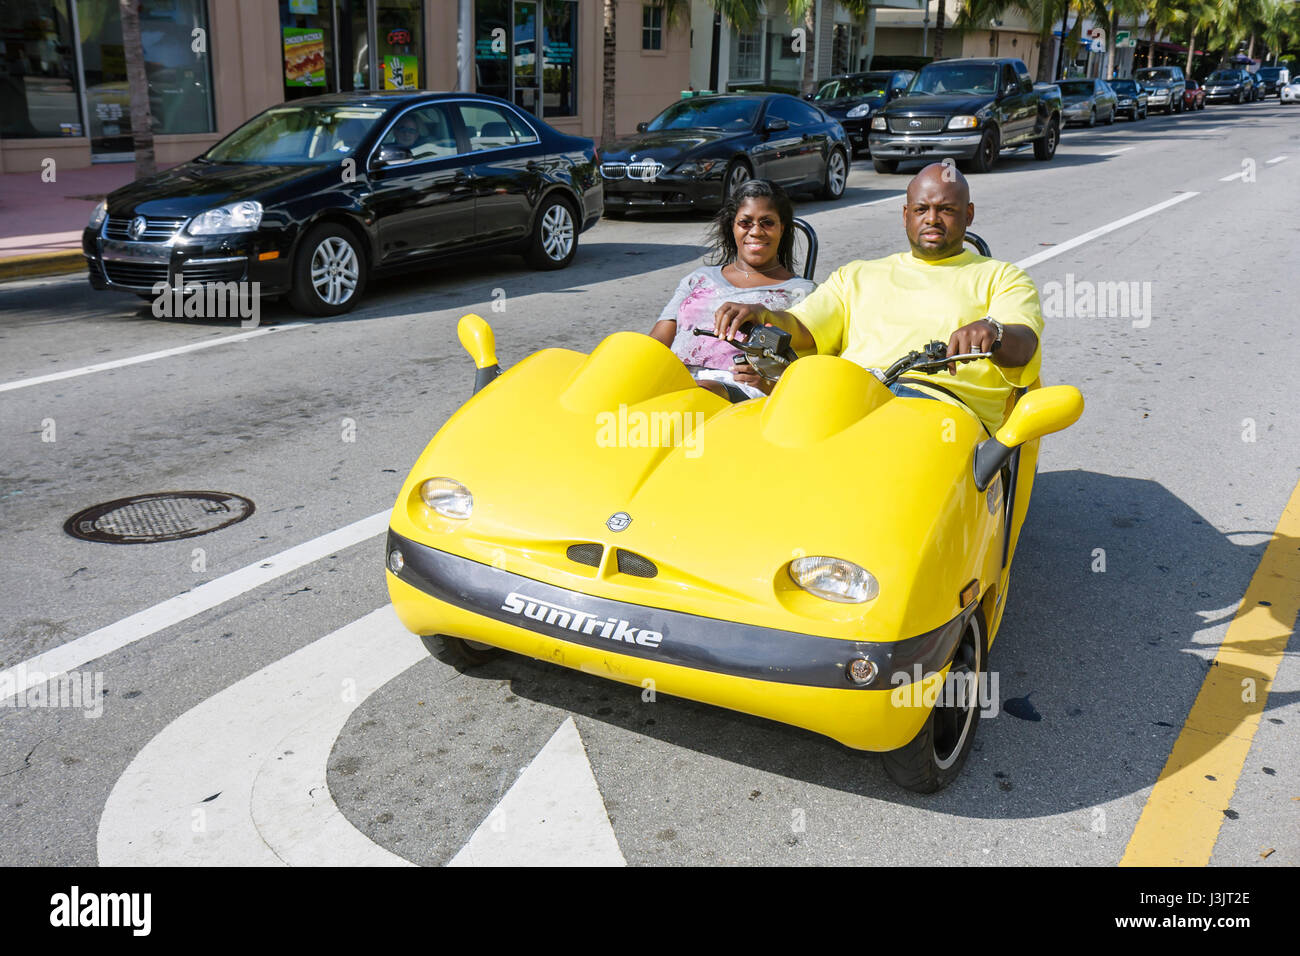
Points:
(987, 154)
(936, 754)
(1045, 145)
(885, 165)
(457, 652)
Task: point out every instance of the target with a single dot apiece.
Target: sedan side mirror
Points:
(775, 125)
(393, 156)
(642, 127)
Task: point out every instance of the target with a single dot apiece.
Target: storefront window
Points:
(559, 85)
(399, 42)
(180, 82)
(38, 70)
(506, 56)
(307, 37)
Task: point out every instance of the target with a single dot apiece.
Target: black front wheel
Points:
(937, 753)
(459, 653)
(885, 165)
(986, 155)
(555, 236)
(1045, 145)
(329, 273)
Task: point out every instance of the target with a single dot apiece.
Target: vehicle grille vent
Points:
(635, 565)
(155, 230)
(588, 554)
(915, 124)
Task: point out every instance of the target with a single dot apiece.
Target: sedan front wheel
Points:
(329, 274)
(837, 175)
(555, 237)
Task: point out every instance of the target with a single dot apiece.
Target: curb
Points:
(42, 264)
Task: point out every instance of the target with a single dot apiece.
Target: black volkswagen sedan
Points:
(314, 197)
(853, 98)
(700, 149)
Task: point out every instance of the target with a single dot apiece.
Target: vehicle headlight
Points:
(696, 168)
(878, 122)
(834, 579)
(97, 217)
(859, 111)
(449, 498)
(236, 217)
(963, 122)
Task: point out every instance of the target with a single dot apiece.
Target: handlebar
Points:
(765, 348)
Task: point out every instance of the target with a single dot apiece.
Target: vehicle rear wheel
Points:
(458, 652)
(987, 154)
(555, 237)
(837, 175)
(1110, 117)
(1092, 119)
(885, 165)
(937, 753)
(329, 274)
(1045, 145)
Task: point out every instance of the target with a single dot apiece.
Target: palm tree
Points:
(138, 85)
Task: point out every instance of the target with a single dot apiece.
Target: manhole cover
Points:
(165, 516)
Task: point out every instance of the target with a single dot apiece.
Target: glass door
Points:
(108, 100)
(527, 64)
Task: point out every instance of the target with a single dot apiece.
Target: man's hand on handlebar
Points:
(977, 337)
(730, 316)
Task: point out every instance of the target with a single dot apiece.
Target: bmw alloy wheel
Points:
(335, 270)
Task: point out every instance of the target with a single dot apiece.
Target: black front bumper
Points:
(687, 640)
(667, 192)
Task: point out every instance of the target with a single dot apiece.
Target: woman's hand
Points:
(745, 375)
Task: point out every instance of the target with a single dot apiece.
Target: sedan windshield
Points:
(734, 114)
(1127, 87)
(1154, 75)
(1270, 72)
(955, 79)
(1076, 88)
(297, 135)
(1223, 76)
(852, 86)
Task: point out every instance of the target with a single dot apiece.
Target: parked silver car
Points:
(1165, 86)
(1087, 101)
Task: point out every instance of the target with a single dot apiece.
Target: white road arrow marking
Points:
(262, 744)
(552, 816)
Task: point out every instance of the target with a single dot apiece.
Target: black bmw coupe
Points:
(312, 198)
(699, 149)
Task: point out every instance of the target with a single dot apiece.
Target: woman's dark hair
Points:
(722, 238)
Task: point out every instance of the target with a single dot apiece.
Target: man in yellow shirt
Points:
(875, 312)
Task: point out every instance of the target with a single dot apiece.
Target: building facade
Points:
(211, 64)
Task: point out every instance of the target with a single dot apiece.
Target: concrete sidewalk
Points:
(41, 222)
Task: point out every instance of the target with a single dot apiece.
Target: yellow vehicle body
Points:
(630, 524)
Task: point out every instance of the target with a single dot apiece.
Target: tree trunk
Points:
(1111, 29)
(607, 131)
(1044, 72)
(138, 86)
(1191, 53)
(1250, 50)
(1151, 43)
(809, 47)
(938, 30)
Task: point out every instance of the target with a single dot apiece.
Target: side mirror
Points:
(392, 156)
(809, 96)
(775, 125)
(1038, 413)
(480, 342)
(642, 127)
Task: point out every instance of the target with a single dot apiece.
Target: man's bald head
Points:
(937, 211)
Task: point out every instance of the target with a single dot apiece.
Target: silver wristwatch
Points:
(997, 329)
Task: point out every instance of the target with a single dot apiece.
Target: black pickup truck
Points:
(969, 110)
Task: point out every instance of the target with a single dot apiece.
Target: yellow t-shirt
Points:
(873, 313)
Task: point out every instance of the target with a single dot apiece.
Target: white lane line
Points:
(147, 357)
(262, 746)
(1228, 179)
(1116, 152)
(1102, 230)
(1275, 159)
(877, 202)
(553, 815)
(82, 650)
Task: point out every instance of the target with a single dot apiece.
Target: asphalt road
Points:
(244, 727)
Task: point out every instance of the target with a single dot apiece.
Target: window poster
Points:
(304, 57)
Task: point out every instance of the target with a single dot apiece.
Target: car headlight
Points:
(696, 168)
(449, 498)
(963, 122)
(878, 122)
(236, 217)
(834, 579)
(97, 217)
(859, 111)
